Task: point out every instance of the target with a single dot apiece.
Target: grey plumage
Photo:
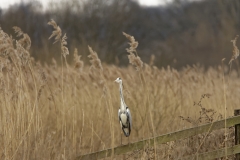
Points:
(124, 113)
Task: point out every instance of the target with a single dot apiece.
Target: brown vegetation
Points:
(58, 112)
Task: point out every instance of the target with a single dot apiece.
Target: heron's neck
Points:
(123, 105)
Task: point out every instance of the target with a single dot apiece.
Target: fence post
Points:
(237, 133)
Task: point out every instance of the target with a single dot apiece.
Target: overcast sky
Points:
(5, 3)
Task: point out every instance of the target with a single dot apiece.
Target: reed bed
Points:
(58, 111)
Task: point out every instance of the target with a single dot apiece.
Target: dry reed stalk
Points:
(136, 61)
(225, 102)
(42, 77)
(97, 66)
(80, 143)
(91, 138)
(57, 33)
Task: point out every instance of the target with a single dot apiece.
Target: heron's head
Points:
(118, 80)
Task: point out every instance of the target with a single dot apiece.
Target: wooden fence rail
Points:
(233, 121)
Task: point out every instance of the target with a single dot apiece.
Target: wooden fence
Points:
(233, 121)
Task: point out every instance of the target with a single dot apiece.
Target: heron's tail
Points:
(126, 131)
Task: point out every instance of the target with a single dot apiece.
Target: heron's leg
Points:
(121, 131)
(121, 139)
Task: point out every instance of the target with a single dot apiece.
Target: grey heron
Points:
(124, 113)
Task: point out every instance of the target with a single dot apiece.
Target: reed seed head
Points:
(57, 33)
(134, 59)
(77, 60)
(95, 61)
(235, 50)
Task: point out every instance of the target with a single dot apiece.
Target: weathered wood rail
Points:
(233, 121)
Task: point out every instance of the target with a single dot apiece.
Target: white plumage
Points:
(123, 118)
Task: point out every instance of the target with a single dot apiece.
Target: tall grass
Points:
(51, 111)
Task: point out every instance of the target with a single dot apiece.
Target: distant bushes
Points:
(179, 34)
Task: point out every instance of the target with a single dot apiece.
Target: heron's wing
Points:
(119, 115)
(129, 117)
